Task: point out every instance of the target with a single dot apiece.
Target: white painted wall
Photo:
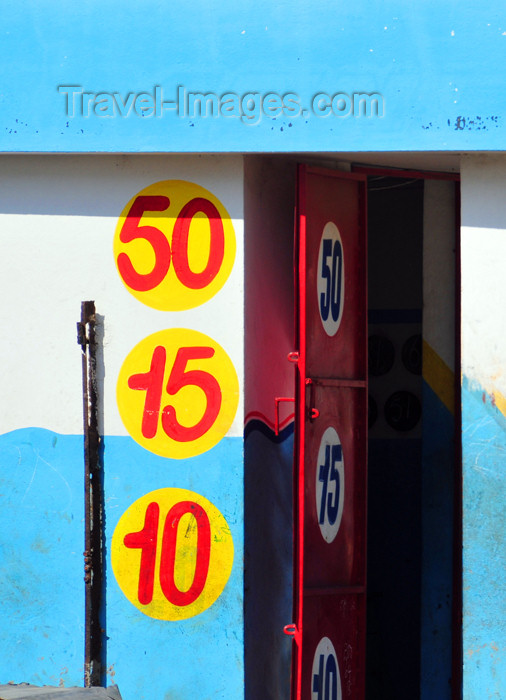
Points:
(483, 261)
(57, 220)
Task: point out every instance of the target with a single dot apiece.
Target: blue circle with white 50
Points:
(330, 279)
(330, 484)
(325, 678)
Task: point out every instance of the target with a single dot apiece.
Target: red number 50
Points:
(131, 231)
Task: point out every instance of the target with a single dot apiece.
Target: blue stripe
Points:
(263, 428)
(380, 316)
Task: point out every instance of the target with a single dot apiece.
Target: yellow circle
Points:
(170, 235)
(142, 561)
(177, 393)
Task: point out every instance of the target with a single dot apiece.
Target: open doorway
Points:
(412, 637)
(413, 621)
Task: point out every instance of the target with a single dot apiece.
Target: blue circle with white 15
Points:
(330, 484)
(325, 678)
(330, 279)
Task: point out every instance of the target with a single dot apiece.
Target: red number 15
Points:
(152, 383)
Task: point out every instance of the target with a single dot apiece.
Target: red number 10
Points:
(152, 383)
(147, 541)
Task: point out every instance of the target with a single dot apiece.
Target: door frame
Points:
(457, 651)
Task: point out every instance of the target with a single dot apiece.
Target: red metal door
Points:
(331, 443)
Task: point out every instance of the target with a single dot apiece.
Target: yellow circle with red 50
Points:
(174, 245)
(177, 393)
(172, 553)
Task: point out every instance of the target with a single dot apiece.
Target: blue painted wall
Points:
(435, 65)
(41, 567)
(41, 557)
(268, 576)
(202, 656)
(484, 558)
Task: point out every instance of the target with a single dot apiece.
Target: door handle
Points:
(312, 410)
(277, 401)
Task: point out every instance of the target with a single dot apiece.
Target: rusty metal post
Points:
(93, 498)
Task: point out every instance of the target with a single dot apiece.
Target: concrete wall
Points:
(483, 426)
(59, 219)
(269, 337)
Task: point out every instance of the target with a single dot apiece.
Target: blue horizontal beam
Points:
(430, 66)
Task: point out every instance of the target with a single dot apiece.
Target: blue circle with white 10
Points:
(330, 484)
(325, 679)
(330, 279)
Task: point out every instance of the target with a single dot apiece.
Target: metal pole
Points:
(93, 501)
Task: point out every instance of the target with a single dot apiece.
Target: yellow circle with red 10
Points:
(174, 245)
(177, 393)
(172, 554)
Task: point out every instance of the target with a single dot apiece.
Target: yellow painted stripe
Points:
(439, 377)
(498, 401)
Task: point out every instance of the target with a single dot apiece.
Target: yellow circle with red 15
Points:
(174, 245)
(177, 393)
(172, 554)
